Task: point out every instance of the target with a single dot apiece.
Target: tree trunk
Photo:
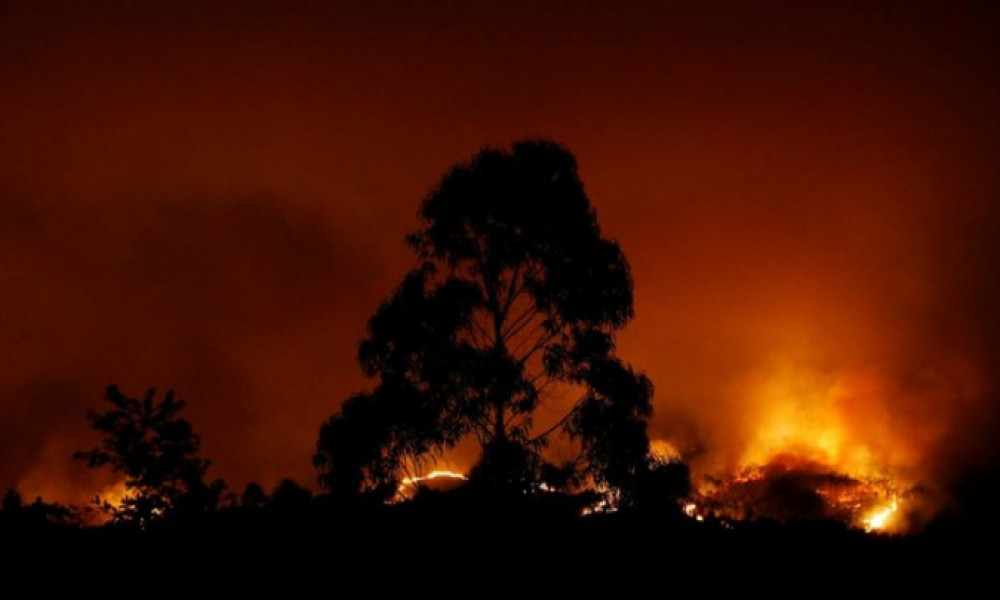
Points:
(499, 429)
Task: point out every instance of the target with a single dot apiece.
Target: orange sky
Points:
(212, 197)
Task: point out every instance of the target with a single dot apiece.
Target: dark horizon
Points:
(213, 199)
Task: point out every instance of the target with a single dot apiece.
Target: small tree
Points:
(156, 450)
(514, 304)
(11, 501)
(254, 496)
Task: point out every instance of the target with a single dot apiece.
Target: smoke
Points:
(862, 333)
(214, 200)
(196, 294)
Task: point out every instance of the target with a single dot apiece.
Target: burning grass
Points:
(789, 488)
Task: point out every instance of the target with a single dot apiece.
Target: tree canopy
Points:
(513, 305)
(156, 451)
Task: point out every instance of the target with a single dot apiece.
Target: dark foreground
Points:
(443, 547)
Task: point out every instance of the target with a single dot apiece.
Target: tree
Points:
(156, 450)
(254, 496)
(290, 498)
(11, 501)
(514, 304)
(662, 486)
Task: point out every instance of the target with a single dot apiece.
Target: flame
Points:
(408, 486)
(437, 474)
(790, 488)
(881, 519)
(107, 503)
(664, 450)
(113, 495)
(102, 506)
(605, 504)
(831, 420)
(816, 446)
(691, 509)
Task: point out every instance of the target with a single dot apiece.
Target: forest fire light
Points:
(409, 485)
(112, 495)
(790, 488)
(816, 448)
(102, 506)
(881, 518)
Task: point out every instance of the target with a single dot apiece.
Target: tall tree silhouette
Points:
(156, 450)
(514, 304)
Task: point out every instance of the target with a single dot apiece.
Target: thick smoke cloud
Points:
(201, 295)
(866, 316)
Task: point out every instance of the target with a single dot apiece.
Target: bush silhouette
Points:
(155, 450)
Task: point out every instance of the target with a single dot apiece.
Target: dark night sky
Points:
(213, 196)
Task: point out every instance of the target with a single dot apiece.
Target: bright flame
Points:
(440, 474)
(812, 417)
(604, 505)
(409, 485)
(663, 450)
(691, 510)
(880, 519)
(819, 446)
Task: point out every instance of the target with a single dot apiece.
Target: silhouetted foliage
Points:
(506, 465)
(660, 486)
(514, 304)
(363, 447)
(156, 451)
(37, 516)
(560, 477)
(290, 497)
(12, 501)
(253, 496)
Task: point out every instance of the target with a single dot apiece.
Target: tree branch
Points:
(485, 429)
(521, 322)
(561, 421)
(512, 291)
(527, 337)
(545, 339)
(482, 330)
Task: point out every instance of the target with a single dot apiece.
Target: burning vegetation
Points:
(439, 479)
(790, 488)
(816, 449)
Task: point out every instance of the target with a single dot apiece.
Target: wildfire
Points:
(818, 448)
(881, 519)
(691, 510)
(100, 510)
(794, 489)
(409, 485)
(604, 505)
(113, 495)
(664, 450)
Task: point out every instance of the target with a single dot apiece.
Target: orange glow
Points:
(818, 447)
(113, 495)
(881, 519)
(103, 505)
(691, 509)
(604, 505)
(816, 189)
(835, 421)
(409, 485)
(663, 450)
